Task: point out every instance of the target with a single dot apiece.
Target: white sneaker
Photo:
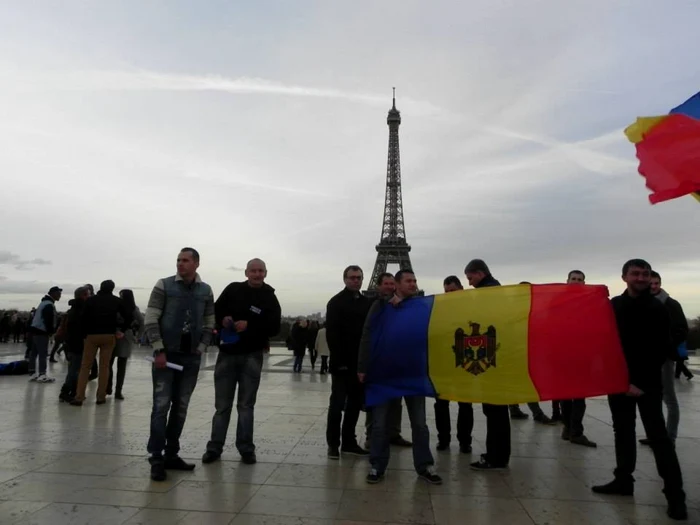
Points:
(33, 377)
(45, 379)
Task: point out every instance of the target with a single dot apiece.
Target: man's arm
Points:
(207, 323)
(275, 320)
(49, 315)
(679, 323)
(154, 311)
(366, 340)
(222, 305)
(333, 326)
(125, 315)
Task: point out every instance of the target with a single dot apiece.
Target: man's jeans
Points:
(70, 386)
(40, 350)
(393, 424)
(244, 371)
(673, 412)
(380, 448)
(172, 391)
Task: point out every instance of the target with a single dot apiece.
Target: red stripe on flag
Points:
(573, 346)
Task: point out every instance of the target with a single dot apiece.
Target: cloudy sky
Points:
(258, 129)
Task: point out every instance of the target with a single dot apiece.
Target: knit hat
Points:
(477, 265)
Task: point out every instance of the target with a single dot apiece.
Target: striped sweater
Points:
(176, 308)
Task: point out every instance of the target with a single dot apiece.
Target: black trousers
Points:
(624, 413)
(121, 374)
(682, 369)
(465, 422)
(347, 394)
(572, 412)
(497, 434)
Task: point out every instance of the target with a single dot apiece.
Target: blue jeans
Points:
(673, 412)
(70, 386)
(40, 350)
(244, 371)
(380, 448)
(172, 391)
(298, 361)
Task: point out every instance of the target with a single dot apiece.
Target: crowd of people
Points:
(182, 316)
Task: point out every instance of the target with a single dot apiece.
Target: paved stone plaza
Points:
(66, 465)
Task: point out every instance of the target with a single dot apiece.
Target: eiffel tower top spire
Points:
(392, 247)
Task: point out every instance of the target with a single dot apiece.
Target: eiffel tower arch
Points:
(393, 247)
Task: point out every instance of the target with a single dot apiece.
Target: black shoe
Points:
(584, 441)
(556, 417)
(333, 453)
(109, 392)
(615, 487)
(101, 402)
(544, 420)
(76, 403)
(177, 463)
(645, 441)
(52, 360)
(566, 434)
(249, 458)
(158, 471)
(400, 442)
(355, 450)
(518, 414)
(64, 398)
(483, 464)
(677, 511)
(119, 396)
(465, 449)
(442, 445)
(210, 457)
(430, 476)
(374, 476)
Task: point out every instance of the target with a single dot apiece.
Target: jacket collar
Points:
(197, 278)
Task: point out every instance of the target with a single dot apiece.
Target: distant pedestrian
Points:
(43, 326)
(122, 350)
(299, 335)
(322, 349)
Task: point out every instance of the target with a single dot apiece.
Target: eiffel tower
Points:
(392, 247)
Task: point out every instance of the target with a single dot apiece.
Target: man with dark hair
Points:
(74, 343)
(345, 316)
(104, 319)
(497, 454)
(406, 288)
(386, 288)
(679, 333)
(644, 326)
(573, 410)
(42, 325)
(249, 314)
(465, 414)
(179, 322)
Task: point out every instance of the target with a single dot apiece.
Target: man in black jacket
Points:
(248, 314)
(104, 319)
(497, 454)
(644, 326)
(74, 343)
(679, 333)
(345, 317)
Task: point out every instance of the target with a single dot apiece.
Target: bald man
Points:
(248, 314)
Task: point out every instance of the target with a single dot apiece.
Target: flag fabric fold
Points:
(668, 149)
(500, 345)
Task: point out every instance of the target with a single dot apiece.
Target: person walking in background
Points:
(346, 313)
(122, 350)
(179, 323)
(18, 330)
(679, 333)
(43, 326)
(250, 315)
(311, 343)
(74, 341)
(105, 320)
(322, 350)
(299, 335)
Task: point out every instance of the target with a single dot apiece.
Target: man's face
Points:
(85, 295)
(353, 280)
(655, 285)
(186, 265)
(256, 273)
(637, 279)
(407, 286)
(451, 287)
(387, 286)
(56, 296)
(576, 278)
(475, 278)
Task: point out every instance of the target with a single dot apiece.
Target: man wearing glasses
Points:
(345, 317)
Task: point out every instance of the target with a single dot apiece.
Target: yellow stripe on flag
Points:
(481, 366)
(635, 132)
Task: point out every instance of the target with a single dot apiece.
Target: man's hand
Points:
(634, 391)
(394, 301)
(160, 360)
(119, 334)
(240, 326)
(228, 321)
(361, 377)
